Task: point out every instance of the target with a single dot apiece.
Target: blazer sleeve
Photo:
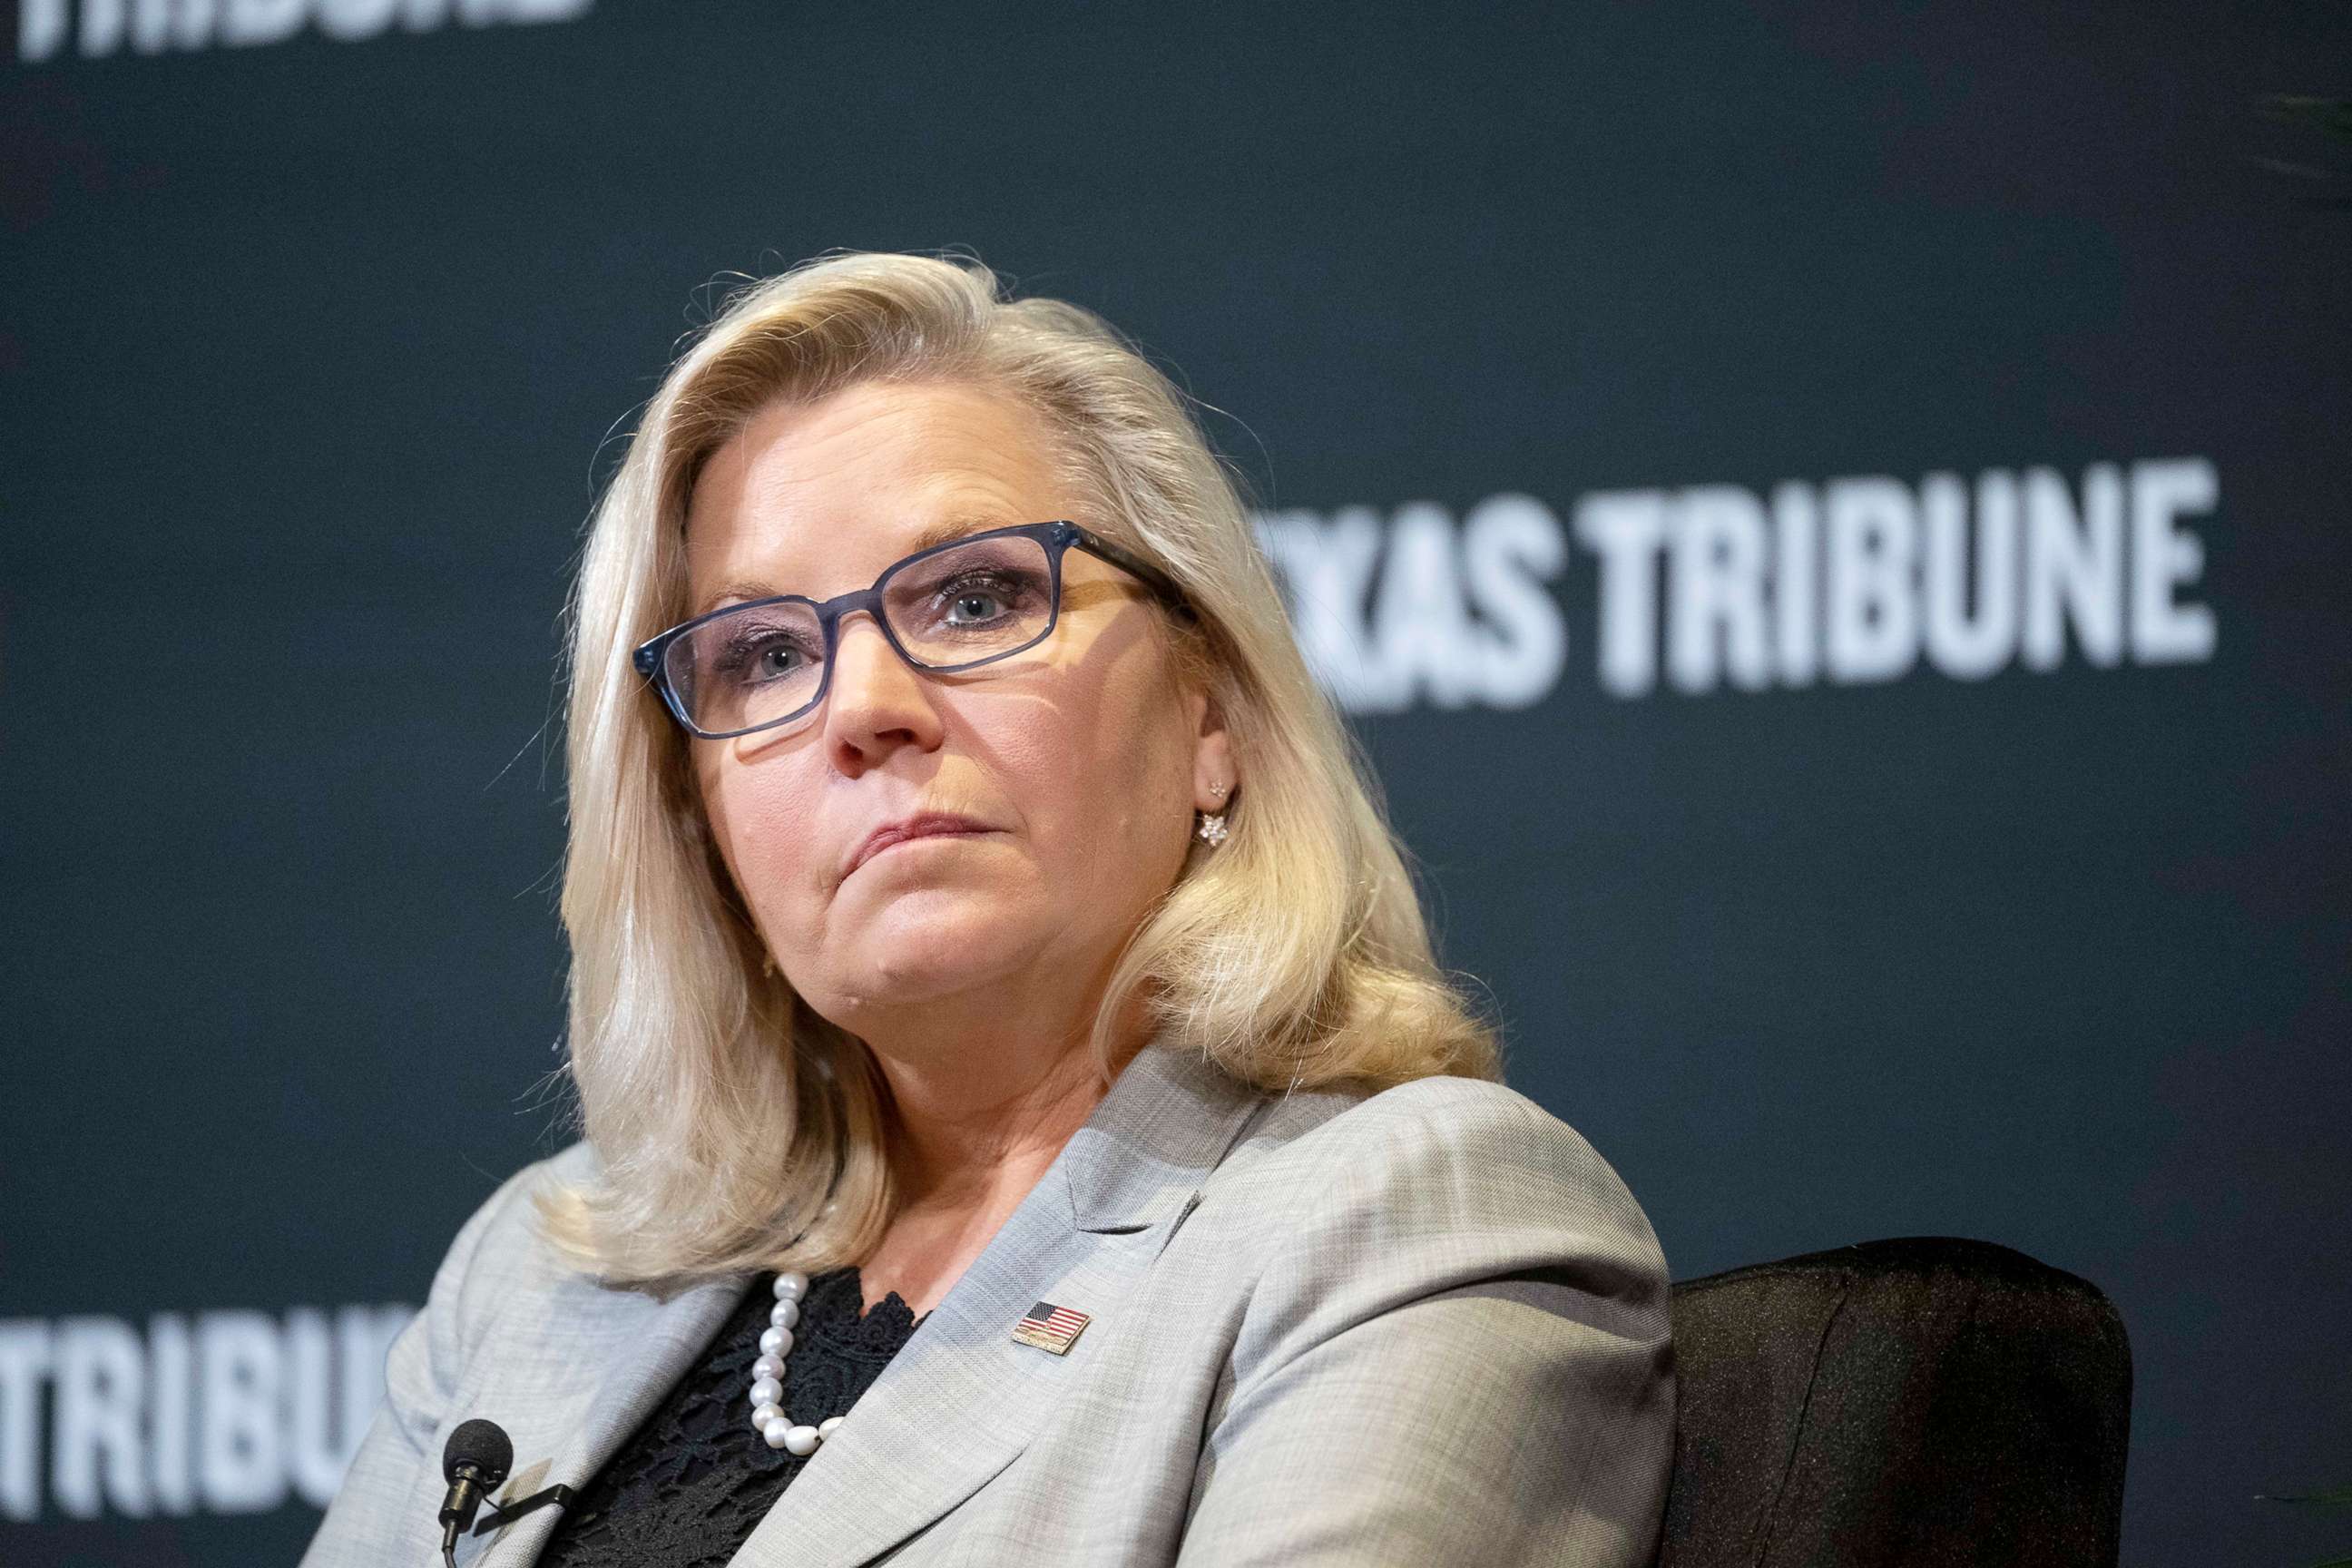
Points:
(376, 1507)
(1458, 1352)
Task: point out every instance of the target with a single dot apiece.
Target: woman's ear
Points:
(1214, 779)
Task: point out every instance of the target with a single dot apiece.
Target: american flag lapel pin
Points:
(1051, 1328)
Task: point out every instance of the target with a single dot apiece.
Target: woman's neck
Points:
(966, 1147)
(970, 1129)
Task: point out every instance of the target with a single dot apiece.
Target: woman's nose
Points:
(876, 702)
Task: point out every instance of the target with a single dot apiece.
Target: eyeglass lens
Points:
(761, 664)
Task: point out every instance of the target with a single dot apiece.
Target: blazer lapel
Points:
(585, 1397)
(963, 1398)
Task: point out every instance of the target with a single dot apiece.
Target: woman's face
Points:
(1072, 770)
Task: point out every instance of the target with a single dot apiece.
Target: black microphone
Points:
(474, 1461)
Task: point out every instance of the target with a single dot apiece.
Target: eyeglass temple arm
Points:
(1127, 561)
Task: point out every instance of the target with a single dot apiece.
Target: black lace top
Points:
(686, 1488)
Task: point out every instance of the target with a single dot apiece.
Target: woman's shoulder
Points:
(1445, 1207)
(1431, 1154)
(501, 1248)
(1437, 1120)
(512, 1210)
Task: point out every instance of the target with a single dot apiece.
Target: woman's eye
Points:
(973, 606)
(979, 601)
(750, 660)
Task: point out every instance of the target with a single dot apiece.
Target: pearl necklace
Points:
(768, 1374)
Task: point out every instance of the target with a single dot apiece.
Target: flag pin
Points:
(1051, 1328)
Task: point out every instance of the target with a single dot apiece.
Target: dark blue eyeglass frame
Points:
(652, 658)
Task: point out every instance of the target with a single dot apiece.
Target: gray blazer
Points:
(1425, 1326)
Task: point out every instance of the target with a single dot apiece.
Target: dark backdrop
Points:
(316, 347)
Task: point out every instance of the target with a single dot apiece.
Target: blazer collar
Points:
(1156, 1134)
(963, 1398)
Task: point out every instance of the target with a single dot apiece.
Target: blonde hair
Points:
(734, 1128)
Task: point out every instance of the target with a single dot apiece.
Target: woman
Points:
(997, 1005)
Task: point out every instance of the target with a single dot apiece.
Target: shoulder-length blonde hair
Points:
(734, 1128)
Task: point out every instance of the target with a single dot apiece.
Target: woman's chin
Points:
(932, 944)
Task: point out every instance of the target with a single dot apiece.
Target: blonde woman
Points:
(1023, 1119)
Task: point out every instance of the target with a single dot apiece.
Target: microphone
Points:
(473, 1462)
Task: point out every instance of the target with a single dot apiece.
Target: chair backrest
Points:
(1924, 1401)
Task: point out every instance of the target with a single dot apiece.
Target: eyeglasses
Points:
(954, 606)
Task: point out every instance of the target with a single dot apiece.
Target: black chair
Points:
(1925, 1402)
